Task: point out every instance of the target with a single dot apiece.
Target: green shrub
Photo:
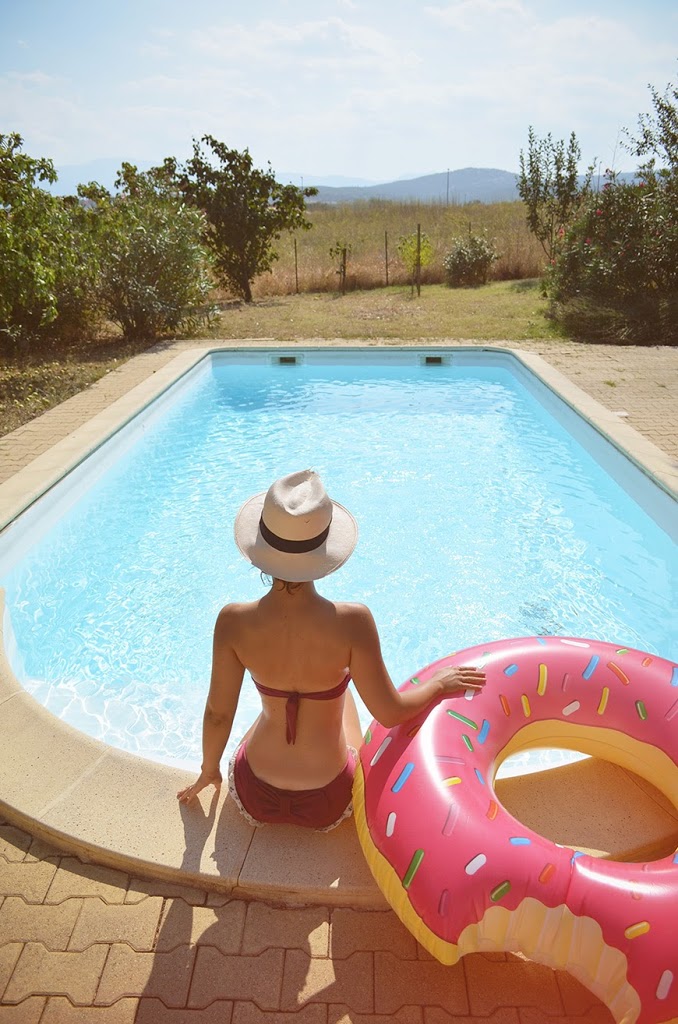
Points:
(616, 278)
(469, 260)
(153, 267)
(47, 273)
(616, 274)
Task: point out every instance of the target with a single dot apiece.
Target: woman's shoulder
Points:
(353, 612)
(235, 611)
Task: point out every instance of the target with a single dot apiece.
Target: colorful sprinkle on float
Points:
(464, 876)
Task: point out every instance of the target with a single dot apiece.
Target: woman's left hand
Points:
(184, 796)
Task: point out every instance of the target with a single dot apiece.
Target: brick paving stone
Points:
(73, 878)
(28, 880)
(28, 1012)
(40, 849)
(595, 1015)
(399, 983)
(184, 925)
(37, 922)
(423, 954)
(513, 983)
(61, 1011)
(311, 980)
(352, 930)
(249, 1013)
(13, 843)
(217, 899)
(267, 927)
(135, 924)
(8, 958)
(577, 999)
(504, 1015)
(153, 1011)
(41, 972)
(250, 978)
(128, 973)
(406, 1015)
(140, 888)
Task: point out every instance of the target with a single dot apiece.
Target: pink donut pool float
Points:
(465, 876)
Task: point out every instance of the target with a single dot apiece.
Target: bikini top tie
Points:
(293, 698)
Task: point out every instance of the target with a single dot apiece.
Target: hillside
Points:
(467, 185)
(470, 184)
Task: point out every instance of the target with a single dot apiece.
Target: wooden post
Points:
(343, 271)
(418, 266)
(296, 268)
(386, 255)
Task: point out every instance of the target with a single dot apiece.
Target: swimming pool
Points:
(486, 509)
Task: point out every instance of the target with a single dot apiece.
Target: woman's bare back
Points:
(298, 642)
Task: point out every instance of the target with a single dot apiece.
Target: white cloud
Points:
(30, 78)
(277, 47)
(155, 51)
(370, 90)
(467, 14)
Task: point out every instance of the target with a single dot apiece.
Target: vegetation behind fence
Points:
(372, 230)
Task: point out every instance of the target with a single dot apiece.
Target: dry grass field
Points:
(373, 227)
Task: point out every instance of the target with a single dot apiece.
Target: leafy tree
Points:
(616, 277)
(153, 267)
(415, 251)
(29, 241)
(659, 133)
(549, 186)
(246, 209)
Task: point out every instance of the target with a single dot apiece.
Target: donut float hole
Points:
(594, 806)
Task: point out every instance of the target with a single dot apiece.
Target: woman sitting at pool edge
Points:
(296, 762)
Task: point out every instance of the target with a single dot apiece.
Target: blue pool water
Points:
(481, 516)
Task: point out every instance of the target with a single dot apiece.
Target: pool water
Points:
(480, 516)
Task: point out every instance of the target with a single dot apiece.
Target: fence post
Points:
(343, 270)
(386, 255)
(296, 269)
(418, 265)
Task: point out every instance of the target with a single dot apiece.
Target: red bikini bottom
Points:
(262, 803)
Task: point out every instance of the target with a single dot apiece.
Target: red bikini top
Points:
(293, 698)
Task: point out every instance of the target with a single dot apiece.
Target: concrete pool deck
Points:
(75, 935)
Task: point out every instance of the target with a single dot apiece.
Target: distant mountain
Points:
(471, 184)
(480, 184)
(468, 185)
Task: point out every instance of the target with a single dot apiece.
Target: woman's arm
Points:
(222, 700)
(384, 702)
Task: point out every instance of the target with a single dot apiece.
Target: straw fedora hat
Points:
(294, 531)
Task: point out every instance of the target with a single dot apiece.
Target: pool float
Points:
(465, 876)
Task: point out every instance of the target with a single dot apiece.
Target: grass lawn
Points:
(502, 311)
(507, 310)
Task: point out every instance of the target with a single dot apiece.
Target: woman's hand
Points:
(184, 796)
(459, 678)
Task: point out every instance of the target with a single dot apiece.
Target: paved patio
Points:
(82, 944)
(91, 945)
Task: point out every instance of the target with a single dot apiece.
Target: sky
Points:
(366, 89)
